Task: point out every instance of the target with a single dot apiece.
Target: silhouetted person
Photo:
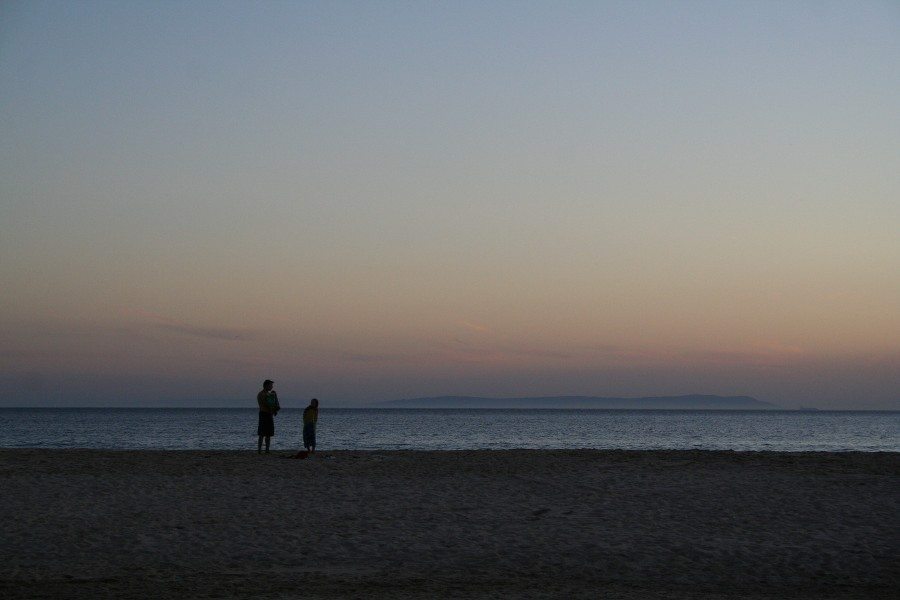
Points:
(267, 400)
(310, 418)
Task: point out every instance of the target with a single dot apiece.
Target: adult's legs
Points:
(259, 445)
(268, 440)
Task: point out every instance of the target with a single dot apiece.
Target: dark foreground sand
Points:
(510, 524)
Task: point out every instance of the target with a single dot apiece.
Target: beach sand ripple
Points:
(480, 524)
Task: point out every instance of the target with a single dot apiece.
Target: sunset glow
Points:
(369, 201)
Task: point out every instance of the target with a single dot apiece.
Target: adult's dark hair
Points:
(267, 382)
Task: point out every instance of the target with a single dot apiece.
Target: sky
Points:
(377, 200)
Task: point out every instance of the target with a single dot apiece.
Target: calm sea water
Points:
(421, 429)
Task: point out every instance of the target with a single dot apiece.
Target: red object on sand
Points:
(302, 454)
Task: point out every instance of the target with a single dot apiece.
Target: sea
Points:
(454, 429)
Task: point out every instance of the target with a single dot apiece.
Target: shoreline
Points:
(710, 524)
(331, 454)
(298, 406)
(289, 452)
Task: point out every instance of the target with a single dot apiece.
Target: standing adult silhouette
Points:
(267, 400)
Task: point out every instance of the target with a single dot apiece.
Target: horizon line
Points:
(345, 407)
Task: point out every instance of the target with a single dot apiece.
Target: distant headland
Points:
(688, 402)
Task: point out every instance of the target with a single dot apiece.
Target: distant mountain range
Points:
(672, 402)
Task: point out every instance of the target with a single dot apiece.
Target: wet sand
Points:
(481, 524)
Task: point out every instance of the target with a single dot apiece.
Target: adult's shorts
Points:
(266, 424)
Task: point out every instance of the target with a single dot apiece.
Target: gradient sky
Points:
(376, 200)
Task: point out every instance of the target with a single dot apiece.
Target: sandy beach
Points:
(481, 524)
